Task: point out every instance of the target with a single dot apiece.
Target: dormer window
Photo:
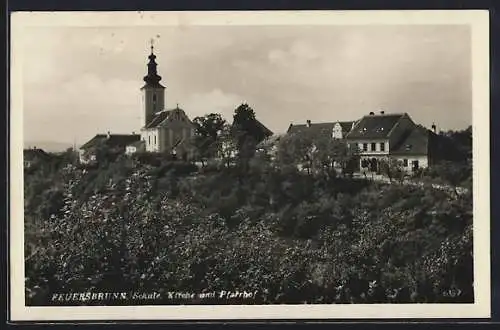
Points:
(408, 146)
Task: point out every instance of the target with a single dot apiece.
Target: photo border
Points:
(481, 178)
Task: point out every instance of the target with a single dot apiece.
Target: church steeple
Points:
(152, 78)
(153, 93)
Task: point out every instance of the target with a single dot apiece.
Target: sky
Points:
(80, 81)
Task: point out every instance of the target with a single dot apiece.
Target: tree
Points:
(245, 126)
(296, 150)
(393, 168)
(226, 145)
(248, 132)
(207, 129)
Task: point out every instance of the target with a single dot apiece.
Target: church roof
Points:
(375, 126)
(158, 118)
(112, 140)
(161, 116)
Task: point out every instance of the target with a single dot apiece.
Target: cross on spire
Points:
(152, 41)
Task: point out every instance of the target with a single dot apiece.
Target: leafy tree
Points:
(207, 129)
(227, 145)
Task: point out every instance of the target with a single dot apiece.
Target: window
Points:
(415, 165)
(365, 146)
(374, 146)
(155, 139)
(405, 162)
(382, 146)
(149, 140)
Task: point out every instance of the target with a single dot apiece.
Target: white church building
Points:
(161, 130)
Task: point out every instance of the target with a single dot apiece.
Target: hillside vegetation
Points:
(289, 237)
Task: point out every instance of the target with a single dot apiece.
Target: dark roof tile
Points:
(415, 142)
(113, 140)
(374, 126)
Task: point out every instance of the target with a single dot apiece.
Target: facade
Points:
(170, 131)
(390, 137)
(380, 138)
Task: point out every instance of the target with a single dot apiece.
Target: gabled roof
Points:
(415, 142)
(319, 128)
(267, 131)
(158, 118)
(161, 116)
(376, 126)
(346, 126)
(112, 140)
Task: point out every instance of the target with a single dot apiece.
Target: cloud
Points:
(298, 52)
(216, 101)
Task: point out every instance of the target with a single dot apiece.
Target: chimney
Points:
(308, 123)
(372, 113)
(433, 127)
(108, 134)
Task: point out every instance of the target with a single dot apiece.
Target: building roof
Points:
(161, 116)
(34, 153)
(346, 126)
(321, 128)
(415, 142)
(267, 131)
(112, 140)
(158, 118)
(375, 126)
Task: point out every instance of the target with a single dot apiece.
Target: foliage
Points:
(289, 237)
(207, 129)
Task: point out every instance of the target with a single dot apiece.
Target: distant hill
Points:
(49, 146)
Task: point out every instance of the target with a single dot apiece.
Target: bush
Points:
(291, 238)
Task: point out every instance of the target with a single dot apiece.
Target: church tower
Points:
(153, 93)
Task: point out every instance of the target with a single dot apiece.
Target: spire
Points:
(152, 78)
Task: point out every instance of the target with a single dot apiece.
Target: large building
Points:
(380, 138)
(161, 130)
(337, 130)
(395, 135)
(165, 131)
